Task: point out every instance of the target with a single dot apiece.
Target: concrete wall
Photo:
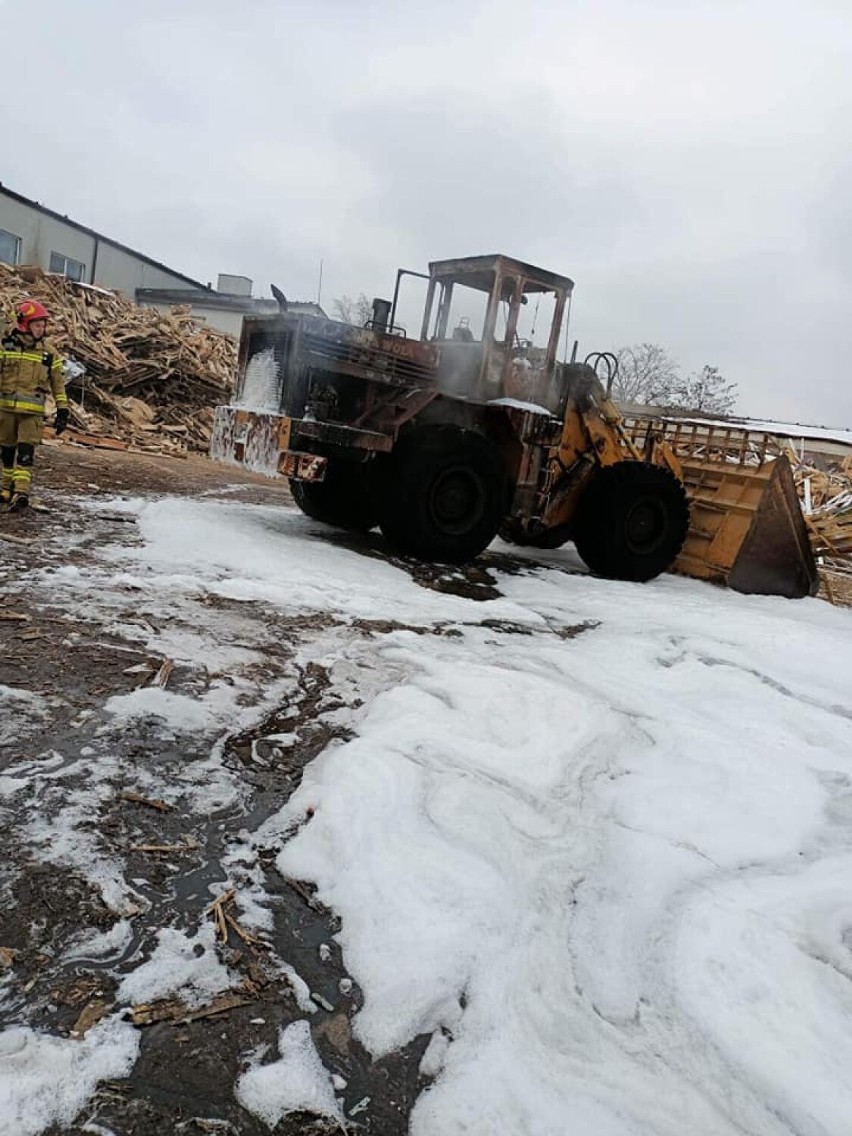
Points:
(40, 235)
(117, 268)
(234, 285)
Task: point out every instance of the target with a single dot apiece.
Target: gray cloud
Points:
(686, 164)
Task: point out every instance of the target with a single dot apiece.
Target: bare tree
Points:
(348, 310)
(646, 374)
(705, 391)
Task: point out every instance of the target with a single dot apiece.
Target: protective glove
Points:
(61, 419)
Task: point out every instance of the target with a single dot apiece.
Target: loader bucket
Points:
(747, 529)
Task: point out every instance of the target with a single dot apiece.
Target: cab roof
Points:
(479, 272)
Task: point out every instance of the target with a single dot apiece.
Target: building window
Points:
(10, 247)
(73, 269)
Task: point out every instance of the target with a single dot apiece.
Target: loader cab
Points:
(498, 323)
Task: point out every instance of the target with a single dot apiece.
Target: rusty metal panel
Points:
(366, 354)
(479, 271)
(335, 434)
(302, 467)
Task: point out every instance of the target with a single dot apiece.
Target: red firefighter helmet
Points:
(29, 310)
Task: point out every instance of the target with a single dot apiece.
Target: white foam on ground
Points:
(46, 1080)
(297, 1081)
(609, 870)
(520, 827)
(182, 964)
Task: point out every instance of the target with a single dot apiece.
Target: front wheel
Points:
(632, 521)
(446, 496)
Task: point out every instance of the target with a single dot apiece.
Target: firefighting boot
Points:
(23, 477)
(7, 457)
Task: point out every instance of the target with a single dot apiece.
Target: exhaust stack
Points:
(381, 315)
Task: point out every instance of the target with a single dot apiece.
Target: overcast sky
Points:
(688, 164)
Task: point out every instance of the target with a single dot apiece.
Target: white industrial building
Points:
(30, 233)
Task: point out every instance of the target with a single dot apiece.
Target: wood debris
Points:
(7, 957)
(826, 495)
(219, 909)
(161, 678)
(89, 1016)
(151, 378)
(14, 617)
(152, 803)
(175, 1011)
(164, 849)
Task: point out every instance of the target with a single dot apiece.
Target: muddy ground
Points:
(184, 1078)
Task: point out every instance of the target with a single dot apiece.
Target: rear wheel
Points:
(343, 498)
(632, 522)
(447, 492)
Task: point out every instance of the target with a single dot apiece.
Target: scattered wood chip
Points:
(245, 935)
(161, 678)
(89, 1017)
(15, 617)
(151, 802)
(95, 441)
(217, 909)
(225, 919)
(16, 539)
(164, 849)
(175, 1011)
(7, 957)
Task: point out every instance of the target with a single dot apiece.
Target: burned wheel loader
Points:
(476, 428)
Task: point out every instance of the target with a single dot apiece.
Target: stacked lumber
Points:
(151, 378)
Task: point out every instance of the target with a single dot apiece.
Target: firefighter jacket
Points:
(29, 368)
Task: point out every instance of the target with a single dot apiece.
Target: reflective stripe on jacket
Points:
(28, 370)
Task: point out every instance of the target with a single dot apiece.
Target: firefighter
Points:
(29, 367)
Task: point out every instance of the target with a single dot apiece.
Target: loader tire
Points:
(446, 493)
(344, 498)
(632, 522)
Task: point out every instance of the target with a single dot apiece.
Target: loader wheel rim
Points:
(646, 526)
(456, 500)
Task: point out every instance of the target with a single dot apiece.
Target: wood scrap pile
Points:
(151, 378)
(826, 496)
